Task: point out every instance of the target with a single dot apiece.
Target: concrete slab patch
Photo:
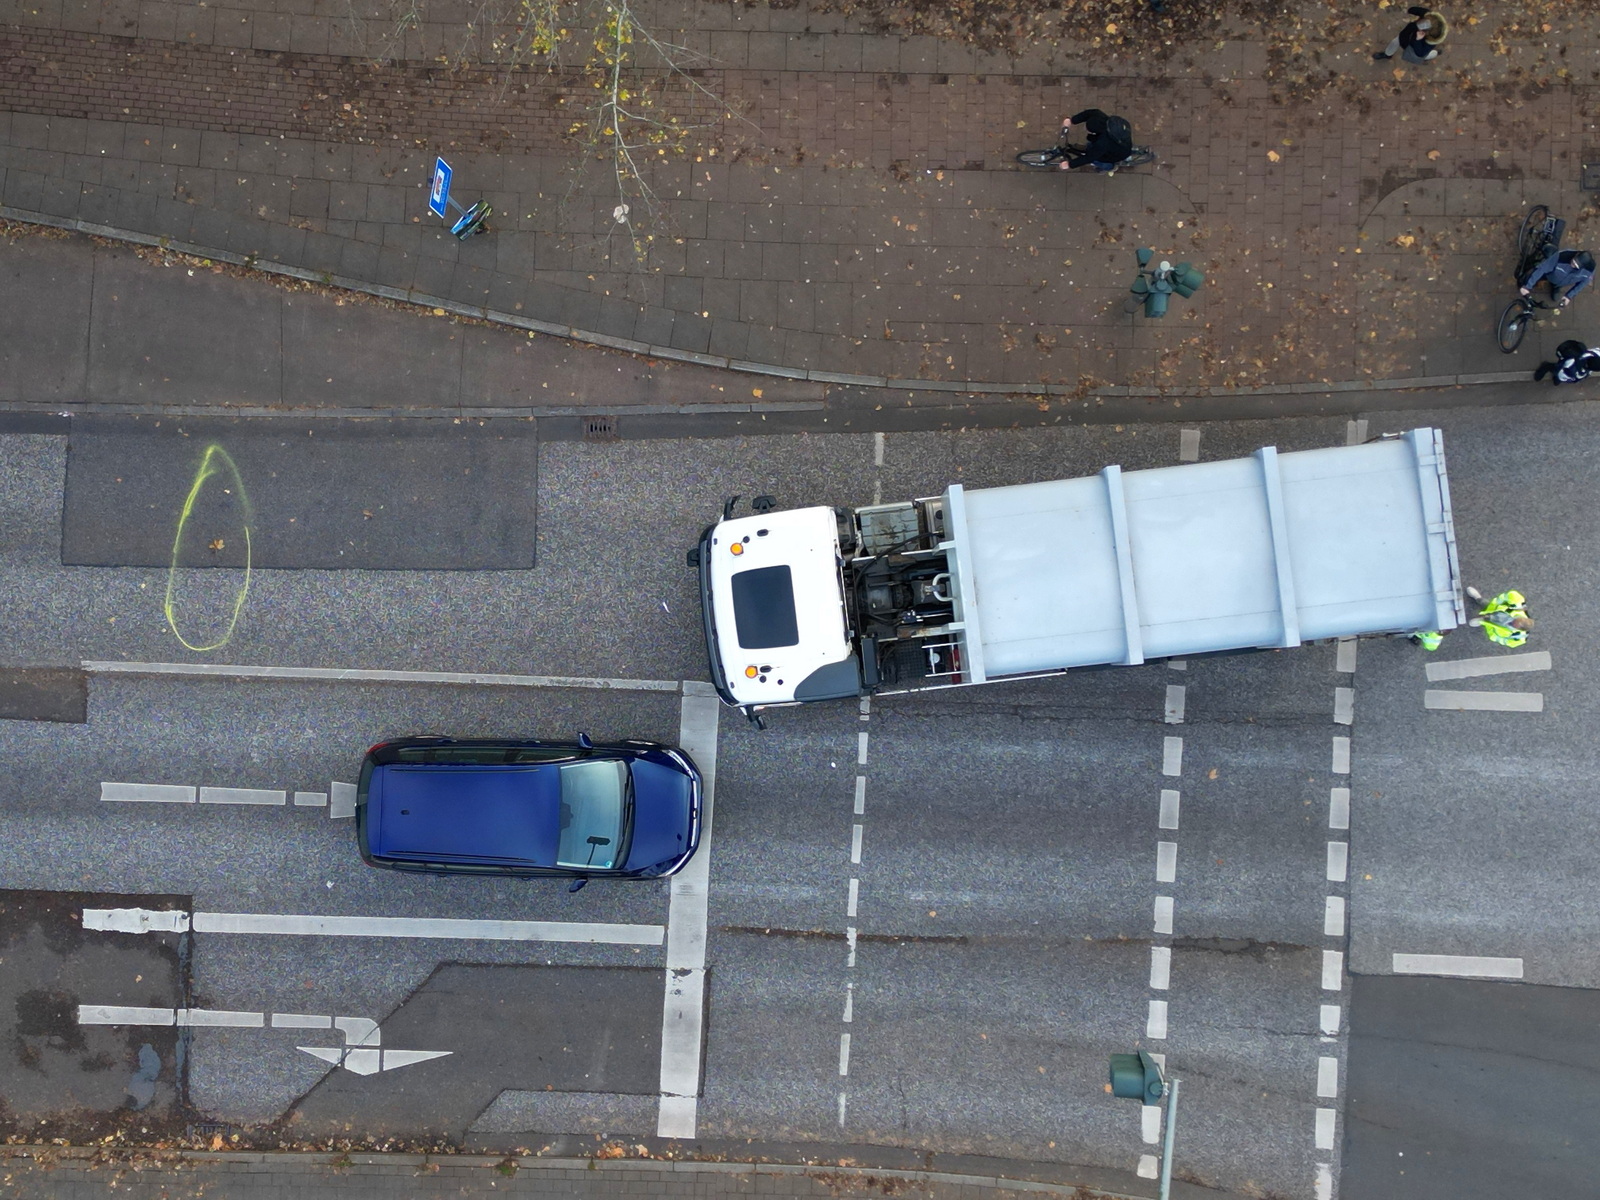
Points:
(382, 493)
(63, 1079)
(571, 1030)
(42, 323)
(44, 694)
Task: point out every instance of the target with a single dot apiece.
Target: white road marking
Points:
(1324, 1185)
(844, 1054)
(1469, 668)
(147, 793)
(1150, 1123)
(1332, 970)
(1161, 968)
(300, 1021)
(1172, 756)
(116, 1014)
(201, 1017)
(861, 748)
(1163, 921)
(877, 449)
(311, 799)
(135, 920)
(1344, 658)
(357, 675)
(1338, 808)
(1188, 445)
(844, 1102)
(1175, 703)
(1166, 862)
(225, 795)
(855, 843)
(1338, 861)
(849, 1003)
(850, 943)
(1355, 432)
(1344, 706)
(853, 898)
(1169, 808)
(683, 1009)
(1177, 664)
(861, 794)
(1341, 756)
(1484, 701)
(1149, 1167)
(1331, 1014)
(1327, 1078)
(1325, 1127)
(1333, 917)
(1464, 966)
(866, 708)
(342, 800)
(1155, 1026)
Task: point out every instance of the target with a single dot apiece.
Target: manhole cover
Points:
(1591, 177)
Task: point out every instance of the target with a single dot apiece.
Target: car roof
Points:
(496, 813)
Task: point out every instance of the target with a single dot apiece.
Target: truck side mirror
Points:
(764, 504)
(727, 507)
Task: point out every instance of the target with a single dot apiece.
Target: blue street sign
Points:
(439, 193)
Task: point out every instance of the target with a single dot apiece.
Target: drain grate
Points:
(600, 429)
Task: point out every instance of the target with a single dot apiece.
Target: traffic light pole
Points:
(1166, 1142)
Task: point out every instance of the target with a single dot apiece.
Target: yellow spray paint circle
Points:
(215, 461)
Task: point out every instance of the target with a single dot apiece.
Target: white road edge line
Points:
(1462, 965)
(1470, 668)
(683, 1011)
(360, 675)
(139, 920)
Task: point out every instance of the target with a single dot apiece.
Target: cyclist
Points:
(1570, 269)
(1110, 140)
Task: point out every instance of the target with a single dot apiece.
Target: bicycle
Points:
(1539, 237)
(1057, 154)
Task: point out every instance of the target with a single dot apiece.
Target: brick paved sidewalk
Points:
(870, 220)
(77, 1175)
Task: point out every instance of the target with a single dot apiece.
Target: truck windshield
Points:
(594, 799)
(763, 608)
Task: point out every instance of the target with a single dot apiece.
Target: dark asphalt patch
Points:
(1461, 1088)
(381, 493)
(528, 1028)
(44, 694)
(85, 1082)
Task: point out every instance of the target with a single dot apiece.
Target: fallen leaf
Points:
(1274, 156)
(1433, 156)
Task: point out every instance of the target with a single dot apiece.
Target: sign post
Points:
(472, 220)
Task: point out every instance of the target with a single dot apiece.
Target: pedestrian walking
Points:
(1419, 41)
(1574, 361)
(1504, 620)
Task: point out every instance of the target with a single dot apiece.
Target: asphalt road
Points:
(1007, 870)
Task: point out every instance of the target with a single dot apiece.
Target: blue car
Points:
(567, 809)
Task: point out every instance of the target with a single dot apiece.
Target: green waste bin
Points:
(1136, 1077)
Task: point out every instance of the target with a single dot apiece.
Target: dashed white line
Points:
(1461, 965)
(850, 944)
(300, 1021)
(1484, 701)
(849, 1003)
(1150, 1123)
(1355, 431)
(1155, 1026)
(1344, 706)
(1161, 968)
(1327, 1078)
(853, 899)
(1326, 1118)
(228, 795)
(861, 748)
(1175, 703)
(1169, 808)
(1149, 1166)
(1332, 970)
(1341, 756)
(118, 1014)
(1339, 808)
(1166, 862)
(1163, 916)
(861, 794)
(1333, 917)
(1469, 668)
(1331, 1014)
(1172, 756)
(855, 843)
(146, 793)
(1338, 861)
(217, 1018)
(1344, 658)
(1324, 1185)
(311, 799)
(342, 801)
(844, 1054)
(1188, 445)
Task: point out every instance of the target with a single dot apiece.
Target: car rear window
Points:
(763, 608)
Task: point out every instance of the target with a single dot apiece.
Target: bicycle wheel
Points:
(1532, 231)
(1040, 158)
(1513, 325)
(1140, 156)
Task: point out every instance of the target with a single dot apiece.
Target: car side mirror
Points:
(585, 741)
(576, 885)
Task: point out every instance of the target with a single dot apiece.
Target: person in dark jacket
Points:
(1419, 41)
(1574, 361)
(1570, 269)
(1110, 140)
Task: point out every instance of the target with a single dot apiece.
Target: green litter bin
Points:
(1136, 1077)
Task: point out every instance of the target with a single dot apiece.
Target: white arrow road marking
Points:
(361, 1034)
(142, 920)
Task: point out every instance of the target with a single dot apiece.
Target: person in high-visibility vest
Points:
(1504, 620)
(1428, 639)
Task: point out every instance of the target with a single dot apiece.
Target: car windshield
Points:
(594, 809)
